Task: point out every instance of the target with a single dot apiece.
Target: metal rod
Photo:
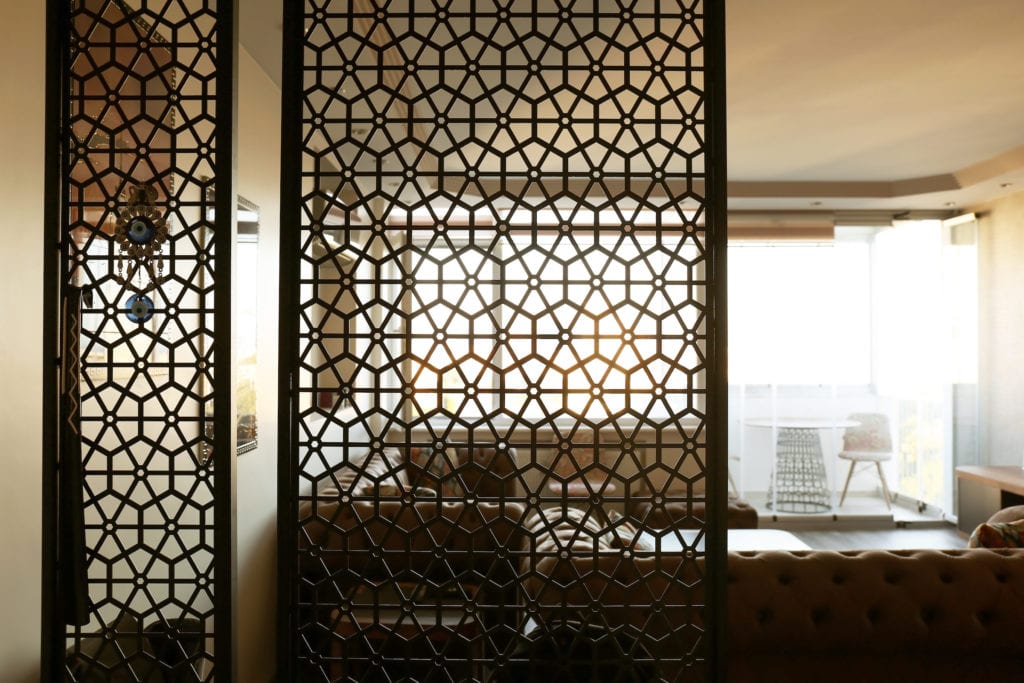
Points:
(717, 418)
(288, 341)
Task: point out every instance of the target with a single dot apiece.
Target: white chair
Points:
(869, 442)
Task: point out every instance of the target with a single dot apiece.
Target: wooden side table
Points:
(982, 491)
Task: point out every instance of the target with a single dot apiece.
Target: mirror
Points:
(247, 276)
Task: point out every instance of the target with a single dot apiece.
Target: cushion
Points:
(625, 535)
(1009, 514)
(554, 529)
(121, 652)
(377, 472)
(997, 535)
(341, 439)
(178, 645)
(381, 472)
(488, 472)
(872, 434)
(433, 469)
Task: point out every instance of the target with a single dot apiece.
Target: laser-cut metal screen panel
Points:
(142, 567)
(502, 330)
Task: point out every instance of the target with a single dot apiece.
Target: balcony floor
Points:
(863, 522)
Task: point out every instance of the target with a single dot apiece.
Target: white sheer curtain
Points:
(876, 320)
(799, 343)
(926, 350)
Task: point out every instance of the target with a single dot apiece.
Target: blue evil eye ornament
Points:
(139, 308)
(140, 230)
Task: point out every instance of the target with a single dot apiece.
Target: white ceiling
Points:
(849, 105)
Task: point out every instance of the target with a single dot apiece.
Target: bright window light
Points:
(799, 313)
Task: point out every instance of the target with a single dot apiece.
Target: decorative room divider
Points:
(138, 476)
(502, 330)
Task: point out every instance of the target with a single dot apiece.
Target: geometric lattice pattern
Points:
(503, 331)
(140, 155)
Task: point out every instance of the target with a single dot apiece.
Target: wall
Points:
(259, 134)
(1001, 330)
(22, 59)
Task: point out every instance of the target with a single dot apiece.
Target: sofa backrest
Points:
(913, 615)
(484, 472)
(876, 602)
(934, 615)
(362, 539)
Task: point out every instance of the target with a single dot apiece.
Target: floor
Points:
(864, 522)
(883, 539)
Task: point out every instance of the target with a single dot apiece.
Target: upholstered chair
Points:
(869, 443)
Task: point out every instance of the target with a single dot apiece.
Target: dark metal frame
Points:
(56, 260)
(224, 456)
(57, 29)
(288, 339)
(717, 364)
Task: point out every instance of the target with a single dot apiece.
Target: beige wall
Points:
(259, 117)
(22, 55)
(22, 48)
(1001, 330)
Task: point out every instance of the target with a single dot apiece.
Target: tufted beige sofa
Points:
(739, 514)
(841, 617)
(387, 525)
(910, 615)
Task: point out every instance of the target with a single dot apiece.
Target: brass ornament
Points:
(140, 233)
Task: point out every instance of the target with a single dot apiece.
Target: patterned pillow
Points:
(998, 535)
(554, 529)
(625, 535)
(379, 472)
(872, 434)
(433, 469)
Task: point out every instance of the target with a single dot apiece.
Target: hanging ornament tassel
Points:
(140, 233)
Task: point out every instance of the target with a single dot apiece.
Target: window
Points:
(876, 320)
(800, 312)
(552, 323)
